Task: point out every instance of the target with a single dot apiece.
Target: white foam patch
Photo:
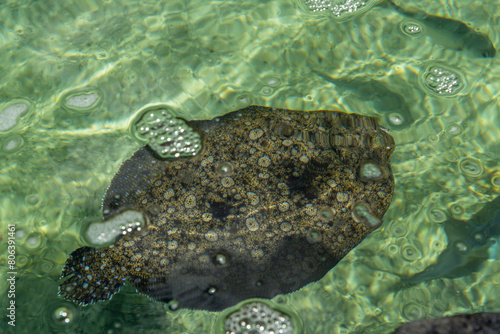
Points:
(12, 144)
(102, 233)
(10, 115)
(82, 100)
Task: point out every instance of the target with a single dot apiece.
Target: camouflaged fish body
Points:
(274, 200)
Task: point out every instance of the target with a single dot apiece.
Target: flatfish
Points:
(273, 201)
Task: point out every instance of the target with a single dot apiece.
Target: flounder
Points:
(272, 202)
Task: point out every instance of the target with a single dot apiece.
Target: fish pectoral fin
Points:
(87, 277)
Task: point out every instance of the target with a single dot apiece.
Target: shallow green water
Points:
(208, 58)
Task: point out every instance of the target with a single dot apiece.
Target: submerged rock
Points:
(273, 201)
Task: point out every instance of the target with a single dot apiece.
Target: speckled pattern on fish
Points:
(267, 206)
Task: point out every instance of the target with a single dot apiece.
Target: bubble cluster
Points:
(258, 316)
(441, 80)
(341, 9)
(99, 234)
(168, 136)
(411, 28)
(82, 100)
(11, 112)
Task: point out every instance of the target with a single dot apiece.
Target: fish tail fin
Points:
(88, 277)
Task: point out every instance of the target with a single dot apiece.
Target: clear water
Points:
(73, 74)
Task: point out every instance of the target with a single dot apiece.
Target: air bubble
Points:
(454, 129)
(410, 253)
(393, 249)
(272, 81)
(266, 91)
(461, 246)
(173, 305)
(471, 167)
(479, 238)
(224, 168)
(82, 100)
(412, 311)
(21, 261)
(34, 241)
(396, 119)
(62, 316)
(244, 100)
(456, 210)
(495, 180)
(32, 199)
(436, 215)
(11, 112)
(11, 144)
(45, 267)
(220, 259)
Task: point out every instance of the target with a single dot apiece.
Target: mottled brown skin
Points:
(282, 220)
